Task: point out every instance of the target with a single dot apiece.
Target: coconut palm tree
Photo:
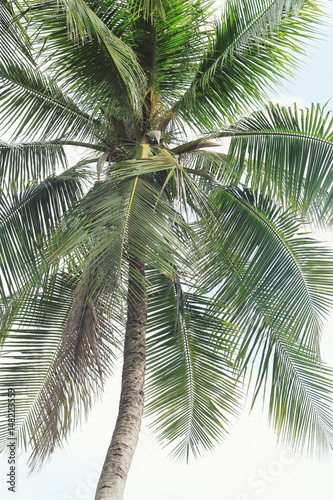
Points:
(155, 234)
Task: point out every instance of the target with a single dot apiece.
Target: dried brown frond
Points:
(77, 375)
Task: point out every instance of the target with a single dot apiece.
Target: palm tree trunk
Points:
(125, 436)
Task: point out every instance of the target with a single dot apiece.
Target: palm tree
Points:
(155, 234)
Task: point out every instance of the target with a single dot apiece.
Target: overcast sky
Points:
(250, 465)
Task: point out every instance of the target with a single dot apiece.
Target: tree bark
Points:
(126, 433)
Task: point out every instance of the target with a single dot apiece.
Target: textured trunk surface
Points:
(125, 436)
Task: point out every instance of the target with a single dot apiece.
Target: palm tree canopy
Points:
(236, 284)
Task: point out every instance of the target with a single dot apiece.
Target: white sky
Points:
(249, 466)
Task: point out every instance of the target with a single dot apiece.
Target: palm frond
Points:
(22, 162)
(14, 38)
(255, 45)
(125, 217)
(25, 219)
(169, 47)
(192, 385)
(300, 395)
(288, 152)
(127, 214)
(78, 35)
(50, 112)
(278, 285)
(56, 354)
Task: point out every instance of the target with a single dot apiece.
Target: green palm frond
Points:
(14, 38)
(255, 44)
(25, 219)
(300, 401)
(192, 381)
(22, 162)
(57, 353)
(125, 217)
(126, 214)
(288, 152)
(50, 112)
(76, 37)
(278, 285)
(170, 47)
(263, 247)
(147, 9)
